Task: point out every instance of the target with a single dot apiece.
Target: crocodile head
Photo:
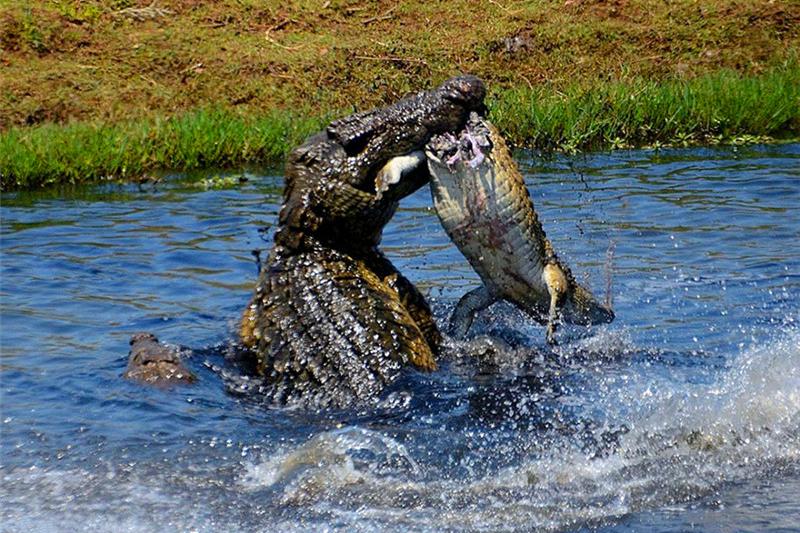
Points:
(336, 192)
(154, 363)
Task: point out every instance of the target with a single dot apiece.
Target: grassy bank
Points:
(717, 108)
(93, 88)
(50, 154)
(714, 108)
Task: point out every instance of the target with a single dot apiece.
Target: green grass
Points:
(715, 108)
(718, 107)
(75, 153)
(87, 60)
(86, 85)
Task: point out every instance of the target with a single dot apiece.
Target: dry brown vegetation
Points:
(65, 60)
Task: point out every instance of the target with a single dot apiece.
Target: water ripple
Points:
(684, 411)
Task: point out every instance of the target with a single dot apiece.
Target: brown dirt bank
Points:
(65, 60)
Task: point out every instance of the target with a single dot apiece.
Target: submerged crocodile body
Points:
(484, 206)
(332, 321)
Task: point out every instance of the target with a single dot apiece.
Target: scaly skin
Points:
(153, 363)
(486, 210)
(332, 322)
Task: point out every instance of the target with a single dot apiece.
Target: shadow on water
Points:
(683, 413)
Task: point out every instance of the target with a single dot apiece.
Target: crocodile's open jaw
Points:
(471, 145)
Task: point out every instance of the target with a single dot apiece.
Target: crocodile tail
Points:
(586, 309)
(330, 330)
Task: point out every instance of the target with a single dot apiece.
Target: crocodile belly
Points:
(484, 205)
(479, 212)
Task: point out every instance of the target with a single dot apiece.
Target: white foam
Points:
(684, 442)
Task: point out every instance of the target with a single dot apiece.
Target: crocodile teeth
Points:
(394, 170)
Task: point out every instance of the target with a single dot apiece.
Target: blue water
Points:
(684, 414)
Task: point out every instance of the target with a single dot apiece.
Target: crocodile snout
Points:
(468, 91)
(154, 363)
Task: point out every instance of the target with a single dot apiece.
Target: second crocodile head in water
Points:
(485, 208)
(151, 362)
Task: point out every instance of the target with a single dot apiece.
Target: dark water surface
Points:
(682, 414)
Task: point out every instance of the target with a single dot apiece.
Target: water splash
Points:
(664, 412)
(679, 446)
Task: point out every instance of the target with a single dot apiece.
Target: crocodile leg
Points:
(466, 308)
(557, 286)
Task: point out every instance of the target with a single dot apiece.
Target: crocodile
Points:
(332, 322)
(484, 206)
(154, 363)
